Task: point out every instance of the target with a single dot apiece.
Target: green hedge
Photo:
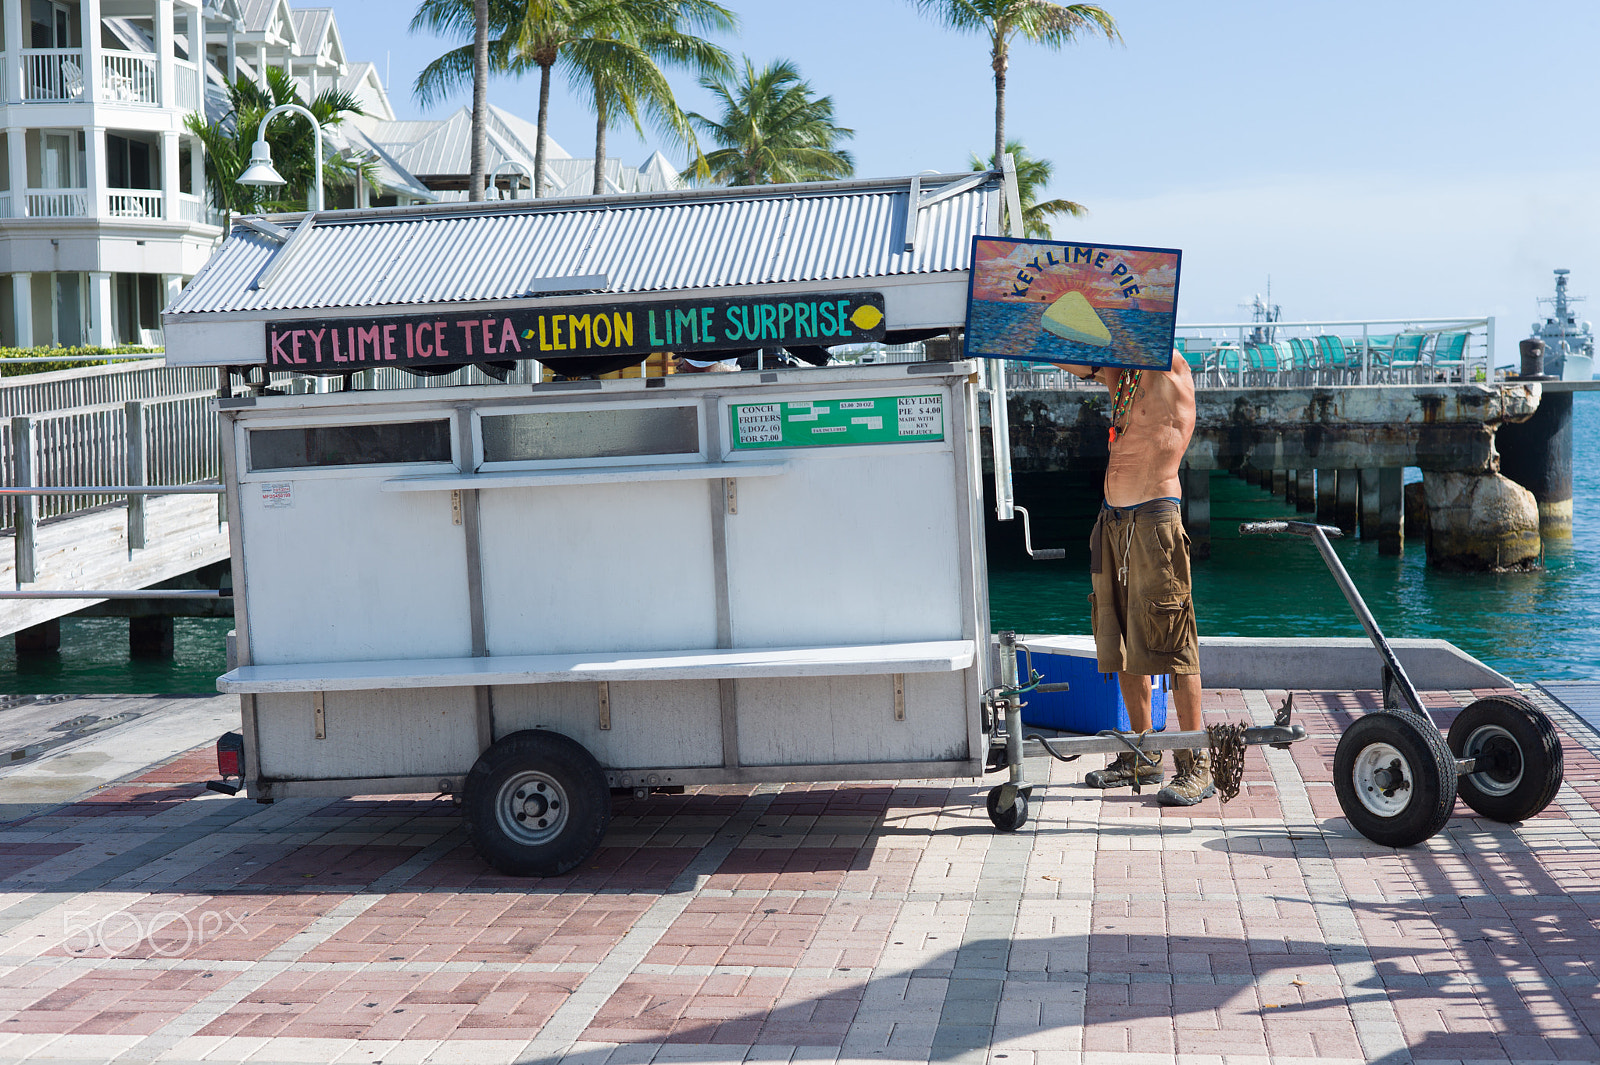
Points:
(19, 369)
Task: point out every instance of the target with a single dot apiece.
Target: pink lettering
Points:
(488, 340)
(316, 336)
(508, 335)
(439, 350)
(388, 341)
(423, 350)
(466, 331)
(294, 343)
(278, 354)
(363, 338)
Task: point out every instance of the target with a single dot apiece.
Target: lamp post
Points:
(261, 171)
(516, 166)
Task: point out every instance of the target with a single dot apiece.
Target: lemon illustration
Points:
(866, 316)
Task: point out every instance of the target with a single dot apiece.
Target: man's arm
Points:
(1106, 375)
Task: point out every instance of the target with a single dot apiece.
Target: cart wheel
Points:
(536, 804)
(1011, 819)
(1519, 767)
(1395, 778)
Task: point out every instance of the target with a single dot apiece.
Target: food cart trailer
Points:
(530, 591)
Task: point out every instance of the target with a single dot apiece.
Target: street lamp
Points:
(516, 166)
(261, 171)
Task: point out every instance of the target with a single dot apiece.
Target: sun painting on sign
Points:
(1053, 301)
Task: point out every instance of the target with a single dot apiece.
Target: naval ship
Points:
(1568, 343)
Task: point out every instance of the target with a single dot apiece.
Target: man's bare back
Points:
(1149, 447)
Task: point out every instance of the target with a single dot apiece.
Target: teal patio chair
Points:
(1335, 360)
(1449, 357)
(1405, 354)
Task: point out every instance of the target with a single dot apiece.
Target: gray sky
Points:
(1376, 159)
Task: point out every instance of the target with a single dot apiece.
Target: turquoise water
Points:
(1530, 626)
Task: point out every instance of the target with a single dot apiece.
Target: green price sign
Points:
(835, 422)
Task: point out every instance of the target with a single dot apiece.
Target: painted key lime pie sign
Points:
(832, 422)
(1087, 304)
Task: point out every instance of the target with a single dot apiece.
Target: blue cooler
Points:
(1094, 702)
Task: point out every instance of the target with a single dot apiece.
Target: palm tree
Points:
(227, 145)
(622, 70)
(772, 129)
(480, 98)
(1032, 176)
(1039, 21)
(602, 45)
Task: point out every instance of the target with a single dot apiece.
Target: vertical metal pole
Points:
(27, 506)
(1488, 352)
(134, 431)
(1366, 349)
(1013, 705)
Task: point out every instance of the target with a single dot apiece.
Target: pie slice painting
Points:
(1054, 301)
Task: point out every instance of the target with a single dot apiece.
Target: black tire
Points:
(537, 804)
(1395, 778)
(1011, 819)
(1520, 766)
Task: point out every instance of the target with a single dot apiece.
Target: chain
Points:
(1227, 758)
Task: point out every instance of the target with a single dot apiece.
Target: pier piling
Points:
(1327, 497)
(1279, 482)
(1391, 511)
(1197, 511)
(1305, 490)
(1537, 454)
(1348, 501)
(39, 640)
(150, 636)
(1369, 504)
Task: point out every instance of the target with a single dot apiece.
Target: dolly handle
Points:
(1057, 686)
(1299, 528)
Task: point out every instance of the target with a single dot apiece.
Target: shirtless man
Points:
(1143, 612)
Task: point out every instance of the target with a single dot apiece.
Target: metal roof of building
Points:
(644, 242)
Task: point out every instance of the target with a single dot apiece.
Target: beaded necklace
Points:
(1127, 391)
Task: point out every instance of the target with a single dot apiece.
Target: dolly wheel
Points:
(1519, 764)
(537, 804)
(1395, 778)
(1014, 816)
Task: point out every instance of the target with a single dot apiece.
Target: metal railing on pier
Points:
(1304, 354)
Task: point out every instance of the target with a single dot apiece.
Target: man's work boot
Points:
(1119, 774)
(1192, 781)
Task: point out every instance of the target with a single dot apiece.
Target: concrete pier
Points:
(1305, 492)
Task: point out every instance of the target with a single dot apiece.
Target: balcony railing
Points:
(129, 78)
(5, 205)
(52, 74)
(58, 203)
(125, 203)
(196, 209)
(186, 85)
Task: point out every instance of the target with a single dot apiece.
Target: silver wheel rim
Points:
(1478, 743)
(1383, 779)
(532, 808)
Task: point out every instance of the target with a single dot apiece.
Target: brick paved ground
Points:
(154, 921)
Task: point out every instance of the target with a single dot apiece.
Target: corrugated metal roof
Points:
(645, 242)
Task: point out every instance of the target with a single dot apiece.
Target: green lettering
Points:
(769, 322)
(843, 318)
(707, 334)
(735, 330)
(681, 318)
(830, 327)
(655, 341)
(785, 316)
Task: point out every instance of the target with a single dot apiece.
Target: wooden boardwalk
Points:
(90, 551)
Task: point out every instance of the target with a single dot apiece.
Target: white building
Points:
(104, 210)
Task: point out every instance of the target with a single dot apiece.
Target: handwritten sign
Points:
(684, 326)
(829, 423)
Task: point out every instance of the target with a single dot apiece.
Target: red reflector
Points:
(230, 754)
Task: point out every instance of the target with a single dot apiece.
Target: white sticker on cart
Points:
(807, 412)
(277, 495)
(760, 423)
(869, 422)
(921, 415)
